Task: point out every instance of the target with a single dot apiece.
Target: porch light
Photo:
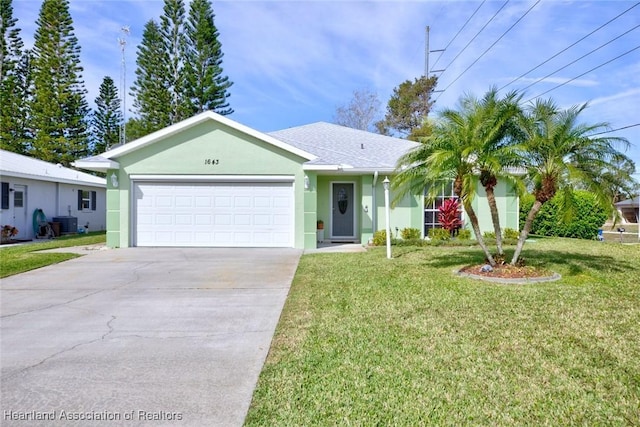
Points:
(385, 184)
(306, 182)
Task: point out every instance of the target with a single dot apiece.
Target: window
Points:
(431, 210)
(18, 199)
(5, 195)
(86, 200)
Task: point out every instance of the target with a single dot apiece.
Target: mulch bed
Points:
(508, 271)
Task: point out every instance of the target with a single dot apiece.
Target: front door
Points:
(343, 211)
(20, 211)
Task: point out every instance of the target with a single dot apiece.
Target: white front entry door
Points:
(20, 211)
(242, 214)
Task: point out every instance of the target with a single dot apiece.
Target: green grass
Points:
(24, 257)
(368, 341)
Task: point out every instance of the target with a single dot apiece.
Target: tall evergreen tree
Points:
(179, 71)
(152, 98)
(12, 82)
(172, 32)
(107, 119)
(206, 87)
(59, 109)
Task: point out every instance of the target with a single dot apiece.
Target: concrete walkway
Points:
(140, 336)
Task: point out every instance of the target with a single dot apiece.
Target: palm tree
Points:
(444, 156)
(559, 152)
(493, 121)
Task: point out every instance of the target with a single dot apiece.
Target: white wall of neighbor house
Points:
(55, 199)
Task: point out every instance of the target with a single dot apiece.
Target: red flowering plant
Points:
(9, 231)
(449, 215)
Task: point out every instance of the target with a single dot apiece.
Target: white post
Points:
(385, 184)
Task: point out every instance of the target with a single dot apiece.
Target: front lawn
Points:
(368, 341)
(24, 257)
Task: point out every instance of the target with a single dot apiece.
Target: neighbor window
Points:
(5, 195)
(86, 200)
(431, 210)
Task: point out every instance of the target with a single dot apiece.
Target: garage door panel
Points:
(225, 219)
(242, 220)
(184, 219)
(203, 201)
(202, 220)
(184, 201)
(213, 214)
(223, 202)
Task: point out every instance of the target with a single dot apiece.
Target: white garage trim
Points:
(214, 178)
(212, 212)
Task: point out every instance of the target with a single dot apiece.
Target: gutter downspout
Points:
(374, 207)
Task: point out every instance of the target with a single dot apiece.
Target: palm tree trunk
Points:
(473, 218)
(491, 199)
(525, 231)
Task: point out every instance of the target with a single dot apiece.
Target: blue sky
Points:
(294, 62)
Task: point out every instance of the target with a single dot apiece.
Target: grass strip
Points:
(25, 257)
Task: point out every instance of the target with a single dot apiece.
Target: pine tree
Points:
(107, 119)
(59, 108)
(12, 82)
(152, 98)
(172, 31)
(206, 87)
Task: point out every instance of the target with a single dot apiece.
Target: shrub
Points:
(410, 242)
(380, 238)
(588, 217)
(510, 234)
(449, 215)
(410, 233)
(439, 234)
(489, 235)
(464, 234)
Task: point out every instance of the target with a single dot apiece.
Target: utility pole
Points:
(427, 51)
(122, 41)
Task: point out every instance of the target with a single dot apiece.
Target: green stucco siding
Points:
(310, 212)
(208, 149)
(506, 202)
(405, 213)
(366, 224)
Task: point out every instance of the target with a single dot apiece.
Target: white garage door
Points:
(214, 214)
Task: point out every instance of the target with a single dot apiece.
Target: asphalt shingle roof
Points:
(351, 148)
(17, 165)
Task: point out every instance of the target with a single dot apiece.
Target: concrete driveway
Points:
(140, 336)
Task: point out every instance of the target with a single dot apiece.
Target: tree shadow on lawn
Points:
(575, 263)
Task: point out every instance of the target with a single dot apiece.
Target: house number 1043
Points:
(212, 162)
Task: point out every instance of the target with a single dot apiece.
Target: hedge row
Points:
(588, 217)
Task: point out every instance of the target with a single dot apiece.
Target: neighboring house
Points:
(210, 181)
(29, 184)
(629, 210)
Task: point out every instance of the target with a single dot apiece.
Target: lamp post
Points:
(385, 184)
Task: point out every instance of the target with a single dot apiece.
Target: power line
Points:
(614, 130)
(477, 34)
(458, 33)
(490, 47)
(570, 46)
(583, 56)
(586, 72)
